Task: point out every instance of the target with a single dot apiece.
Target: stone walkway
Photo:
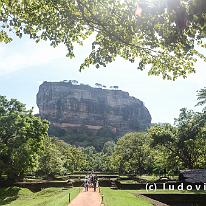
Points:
(89, 198)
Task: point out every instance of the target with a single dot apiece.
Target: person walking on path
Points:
(94, 181)
(86, 184)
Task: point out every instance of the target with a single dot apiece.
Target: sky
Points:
(24, 65)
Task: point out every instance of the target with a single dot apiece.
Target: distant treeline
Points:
(26, 148)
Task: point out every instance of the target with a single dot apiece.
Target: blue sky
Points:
(24, 65)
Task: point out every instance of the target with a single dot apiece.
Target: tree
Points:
(90, 156)
(98, 85)
(132, 154)
(99, 161)
(74, 82)
(60, 158)
(201, 96)
(185, 144)
(108, 148)
(21, 139)
(163, 149)
(51, 162)
(73, 157)
(114, 87)
(163, 36)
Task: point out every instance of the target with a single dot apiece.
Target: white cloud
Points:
(28, 55)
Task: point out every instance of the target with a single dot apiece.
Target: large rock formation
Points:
(67, 105)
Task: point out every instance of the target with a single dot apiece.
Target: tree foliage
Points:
(25, 147)
(21, 138)
(201, 97)
(164, 36)
(184, 143)
(51, 162)
(132, 154)
(59, 158)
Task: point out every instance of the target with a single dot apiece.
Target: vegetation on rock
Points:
(83, 136)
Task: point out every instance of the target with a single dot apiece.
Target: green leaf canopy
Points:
(164, 36)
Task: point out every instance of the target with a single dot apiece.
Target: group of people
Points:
(90, 181)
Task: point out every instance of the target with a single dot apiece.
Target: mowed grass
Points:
(47, 197)
(123, 198)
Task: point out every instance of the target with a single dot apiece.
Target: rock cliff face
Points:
(67, 105)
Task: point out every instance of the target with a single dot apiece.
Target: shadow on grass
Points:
(181, 199)
(9, 194)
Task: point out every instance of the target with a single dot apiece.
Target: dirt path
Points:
(89, 198)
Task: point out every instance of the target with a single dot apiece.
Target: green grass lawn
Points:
(155, 177)
(123, 198)
(128, 182)
(133, 197)
(149, 177)
(47, 197)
